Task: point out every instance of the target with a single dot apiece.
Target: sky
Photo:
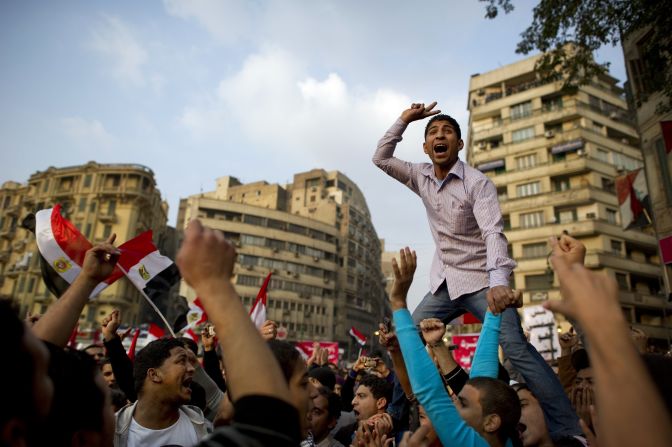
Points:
(260, 90)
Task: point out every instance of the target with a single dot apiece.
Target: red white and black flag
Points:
(258, 310)
(633, 199)
(358, 336)
(63, 247)
(149, 271)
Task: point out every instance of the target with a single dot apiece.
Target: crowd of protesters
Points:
(240, 386)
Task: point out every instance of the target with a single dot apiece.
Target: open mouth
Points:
(521, 428)
(186, 383)
(440, 148)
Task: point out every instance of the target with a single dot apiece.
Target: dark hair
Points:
(324, 375)
(104, 361)
(152, 356)
(198, 397)
(286, 355)
(79, 401)
(119, 399)
(660, 370)
(18, 395)
(378, 387)
(190, 344)
(93, 345)
(580, 359)
(496, 397)
(333, 402)
(443, 117)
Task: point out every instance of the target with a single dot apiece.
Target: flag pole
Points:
(151, 303)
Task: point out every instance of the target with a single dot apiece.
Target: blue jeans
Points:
(540, 378)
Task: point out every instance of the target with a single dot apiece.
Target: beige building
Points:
(317, 238)
(658, 163)
(100, 199)
(553, 156)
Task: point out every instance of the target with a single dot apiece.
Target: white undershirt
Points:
(180, 434)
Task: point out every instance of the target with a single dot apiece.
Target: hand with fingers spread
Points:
(99, 261)
(418, 111)
(208, 338)
(110, 324)
(403, 277)
(369, 435)
(568, 341)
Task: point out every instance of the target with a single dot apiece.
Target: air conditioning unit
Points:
(581, 152)
(326, 280)
(275, 250)
(316, 259)
(296, 275)
(613, 115)
(549, 134)
(296, 254)
(591, 215)
(481, 92)
(237, 244)
(482, 145)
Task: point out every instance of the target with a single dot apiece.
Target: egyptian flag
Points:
(465, 318)
(633, 199)
(134, 343)
(63, 248)
(149, 271)
(196, 314)
(154, 333)
(358, 336)
(258, 311)
(189, 333)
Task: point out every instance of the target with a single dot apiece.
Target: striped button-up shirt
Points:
(464, 217)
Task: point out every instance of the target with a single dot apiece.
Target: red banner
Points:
(466, 348)
(666, 249)
(306, 349)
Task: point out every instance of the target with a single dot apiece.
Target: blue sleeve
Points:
(486, 357)
(428, 387)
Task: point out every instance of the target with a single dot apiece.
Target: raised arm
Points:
(425, 381)
(384, 155)
(57, 324)
(206, 262)
(635, 415)
(122, 367)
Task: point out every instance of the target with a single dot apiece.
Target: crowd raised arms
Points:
(225, 380)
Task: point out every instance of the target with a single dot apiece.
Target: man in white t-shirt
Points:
(160, 417)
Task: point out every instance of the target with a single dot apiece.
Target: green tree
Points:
(568, 32)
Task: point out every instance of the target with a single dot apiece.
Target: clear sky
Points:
(260, 90)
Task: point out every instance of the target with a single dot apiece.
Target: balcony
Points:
(553, 168)
(659, 332)
(8, 233)
(595, 258)
(12, 210)
(639, 299)
(107, 218)
(573, 196)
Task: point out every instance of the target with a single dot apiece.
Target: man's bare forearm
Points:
(57, 324)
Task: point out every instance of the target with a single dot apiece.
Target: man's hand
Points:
(206, 258)
(640, 338)
(418, 111)
(572, 250)
(110, 325)
(416, 439)
(388, 339)
(360, 364)
(432, 330)
(99, 261)
(269, 330)
(582, 399)
(501, 297)
(369, 436)
(207, 340)
(403, 277)
(568, 341)
(382, 422)
(587, 297)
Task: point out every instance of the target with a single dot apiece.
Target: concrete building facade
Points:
(553, 156)
(100, 199)
(315, 235)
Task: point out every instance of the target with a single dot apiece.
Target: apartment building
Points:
(315, 235)
(553, 156)
(100, 199)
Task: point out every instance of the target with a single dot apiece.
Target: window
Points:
(611, 216)
(521, 110)
(602, 155)
(536, 250)
(608, 184)
(530, 220)
(551, 104)
(566, 216)
(313, 182)
(622, 161)
(111, 207)
(252, 240)
(502, 194)
(87, 233)
(526, 161)
(45, 187)
(622, 280)
(92, 206)
(528, 189)
(522, 134)
(107, 231)
(560, 184)
(538, 282)
(616, 247)
(253, 220)
(31, 285)
(87, 180)
(82, 205)
(598, 127)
